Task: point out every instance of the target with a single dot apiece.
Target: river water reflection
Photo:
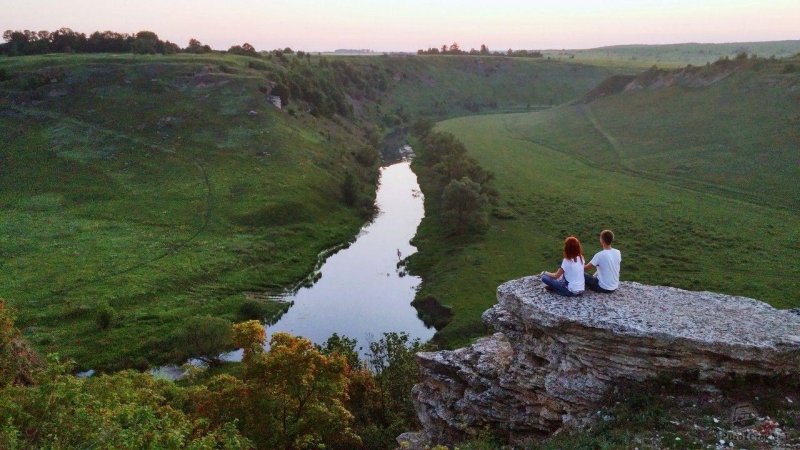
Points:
(362, 293)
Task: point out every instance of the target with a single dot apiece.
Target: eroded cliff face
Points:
(553, 359)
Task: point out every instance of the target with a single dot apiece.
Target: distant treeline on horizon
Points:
(454, 49)
(65, 40)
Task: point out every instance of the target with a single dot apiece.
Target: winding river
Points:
(362, 292)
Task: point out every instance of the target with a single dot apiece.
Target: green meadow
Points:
(159, 188)
(699, 185)
(163, 188)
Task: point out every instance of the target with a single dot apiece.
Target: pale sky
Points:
(407, 25)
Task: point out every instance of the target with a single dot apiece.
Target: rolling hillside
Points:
(677, 54)
(699, 184)
(158, 188)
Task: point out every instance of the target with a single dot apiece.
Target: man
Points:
(607, 263)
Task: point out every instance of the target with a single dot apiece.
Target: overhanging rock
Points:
(554, 358)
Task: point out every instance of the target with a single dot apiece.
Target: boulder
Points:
(554, 359)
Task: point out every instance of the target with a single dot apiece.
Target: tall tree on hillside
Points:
(146, 42)
(464, 206)
(484, 49)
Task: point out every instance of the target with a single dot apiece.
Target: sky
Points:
(408, 25)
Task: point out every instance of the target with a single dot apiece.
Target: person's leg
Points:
(593, 284)
(559, 286)
(591, 281)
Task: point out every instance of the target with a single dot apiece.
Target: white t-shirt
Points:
(607, 263)
(573, 273)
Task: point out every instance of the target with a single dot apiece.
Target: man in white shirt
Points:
(607, 262)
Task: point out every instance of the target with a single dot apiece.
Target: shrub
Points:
(104, 316)
(251, 310)
(206, 337)
(464, 206)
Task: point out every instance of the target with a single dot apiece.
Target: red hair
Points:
(572, 249)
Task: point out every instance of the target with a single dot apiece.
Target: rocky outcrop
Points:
(553, 359)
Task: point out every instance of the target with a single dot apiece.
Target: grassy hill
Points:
(699, 183)
(676, 54)
(165, 187)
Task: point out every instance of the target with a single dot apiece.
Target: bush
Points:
(104, 316)
(206, 337)
(349, 189)
(464, 206)
(251, 310)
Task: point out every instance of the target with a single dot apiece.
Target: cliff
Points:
(553, 359)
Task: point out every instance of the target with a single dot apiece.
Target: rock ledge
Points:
(554, 358)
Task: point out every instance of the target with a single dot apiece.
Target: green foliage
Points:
(206, 337)
(252, 310)
(350, 189)
(292, 396)
(127, 410)
(104, 316)
(392, 360)
(343, 346)
(464, 206)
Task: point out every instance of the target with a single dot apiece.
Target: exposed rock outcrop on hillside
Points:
(554, 358)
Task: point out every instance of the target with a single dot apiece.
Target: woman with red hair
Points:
(568, 279)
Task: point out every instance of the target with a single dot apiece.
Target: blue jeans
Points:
(592, 283)
(559, 285)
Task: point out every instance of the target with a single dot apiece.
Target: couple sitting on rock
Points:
(570, 279)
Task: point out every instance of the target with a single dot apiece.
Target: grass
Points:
(558, 175)
(145, 184)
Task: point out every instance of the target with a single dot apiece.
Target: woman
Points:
(571, 283)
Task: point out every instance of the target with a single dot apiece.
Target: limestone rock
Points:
(554, 358)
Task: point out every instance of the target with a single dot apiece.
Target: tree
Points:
(206, 337)
(146, 42)
(484, 49)
(464, 206)
(245, 49)
(349, 189)
(454, 48)
(196, 47)
(299, 396)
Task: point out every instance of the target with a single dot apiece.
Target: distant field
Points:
(611, 164)
(676, 54)
(447, 86)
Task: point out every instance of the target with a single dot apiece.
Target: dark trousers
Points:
(593, 284)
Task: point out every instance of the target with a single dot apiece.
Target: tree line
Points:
(461, 190)
(455, 49)
(65, 40)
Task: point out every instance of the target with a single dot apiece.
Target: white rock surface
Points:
(554, 358)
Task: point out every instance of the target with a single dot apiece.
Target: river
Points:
(361, 292)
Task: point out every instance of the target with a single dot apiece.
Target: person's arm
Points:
(588, 266)
(555, 275)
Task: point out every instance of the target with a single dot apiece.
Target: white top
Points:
(607, 263)
(573, 273)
